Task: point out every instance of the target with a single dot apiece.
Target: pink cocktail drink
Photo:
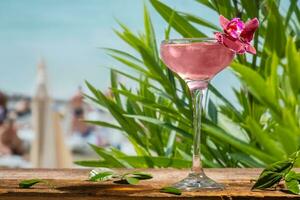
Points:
(196, 61)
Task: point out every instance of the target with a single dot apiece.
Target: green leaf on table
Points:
(273, 174)
(280, 166)
(29, 182)
(293, 186)
(292, 175)
(127, 180)
(132, 180)
(142, 175)
(170, 190)
(267, 179)
(292, 182)
(100, 176)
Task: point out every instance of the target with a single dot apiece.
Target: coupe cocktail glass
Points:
(197, 61)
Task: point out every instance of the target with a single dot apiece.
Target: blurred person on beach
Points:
(10, 143)
(22, 107)
(3, 113)
(3, 107)
(81, 133)
(78, 114)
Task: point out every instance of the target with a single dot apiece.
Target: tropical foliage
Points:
(156, 117)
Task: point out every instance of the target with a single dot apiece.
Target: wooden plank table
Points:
(73, 184)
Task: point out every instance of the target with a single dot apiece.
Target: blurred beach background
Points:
(58, 43)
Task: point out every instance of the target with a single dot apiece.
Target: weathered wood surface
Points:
(73, 184)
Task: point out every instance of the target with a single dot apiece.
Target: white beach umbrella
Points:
(48, 149)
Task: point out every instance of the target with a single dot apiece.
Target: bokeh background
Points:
(64, 38)
(48, 49)
(69, 35)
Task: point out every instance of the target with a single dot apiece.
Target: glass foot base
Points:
(195, 182)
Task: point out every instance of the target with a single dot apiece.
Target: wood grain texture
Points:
(72, 184)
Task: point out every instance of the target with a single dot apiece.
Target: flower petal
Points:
(250, 28)
(234, 28)
(223, 21)
(251, 49)
(235, 45)
(219, 37)
(237, 35)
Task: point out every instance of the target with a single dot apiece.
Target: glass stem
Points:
(197, 110)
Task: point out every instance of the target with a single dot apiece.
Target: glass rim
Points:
(188, 40)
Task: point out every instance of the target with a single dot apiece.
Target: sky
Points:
(69, 34)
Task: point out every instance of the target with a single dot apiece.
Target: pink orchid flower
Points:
(237, 34)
